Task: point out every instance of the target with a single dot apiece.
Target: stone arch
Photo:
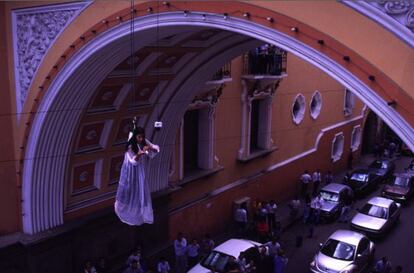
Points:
(43, 180)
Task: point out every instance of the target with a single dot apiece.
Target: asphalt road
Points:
(397, 245)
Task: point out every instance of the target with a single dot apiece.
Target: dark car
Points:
(333, 196)
(363, 181)
(384, 168)
(400, 188)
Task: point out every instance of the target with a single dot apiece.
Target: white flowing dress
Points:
(133, 198)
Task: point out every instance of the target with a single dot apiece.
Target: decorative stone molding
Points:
(257, 87)
(396, 16)
(34, 30)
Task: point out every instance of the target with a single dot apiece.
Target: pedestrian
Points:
(207, 245)
(240, 219)
(316, 180)
(350, 159)
(305, 178)
(329, 178)
(279, 262)
(193, 253)
(294, 206)
(262, 230)
(383, 266)
(346, 178)
(135, 256)
(102, 266)
(163, 266)
(271, 214)
(347, 199)
(88, 267)
(316, 206)
(273, 247)
(180, 249)
(135, 267)
(307, 210)
(392, 147)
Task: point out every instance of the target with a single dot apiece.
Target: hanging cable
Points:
(132, 60)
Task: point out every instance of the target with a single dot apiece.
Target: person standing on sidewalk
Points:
(163, 266)
(240, 218)
(193, 253)
(280, 261)
(329, 178)
(316, 179)
(305, 179)
(180, 249)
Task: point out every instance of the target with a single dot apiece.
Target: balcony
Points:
(266, 61)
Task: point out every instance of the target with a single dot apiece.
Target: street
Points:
(396, 245)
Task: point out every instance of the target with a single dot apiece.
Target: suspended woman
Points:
(133, 199)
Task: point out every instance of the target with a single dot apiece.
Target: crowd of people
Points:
(266, 60)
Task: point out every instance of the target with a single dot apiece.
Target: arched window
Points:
(315, 105)
(337, 147)
(298, 109)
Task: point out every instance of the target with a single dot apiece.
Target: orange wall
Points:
(9, 209)
(291, 140)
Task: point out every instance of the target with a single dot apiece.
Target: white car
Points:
(220, 255)
(377, 216)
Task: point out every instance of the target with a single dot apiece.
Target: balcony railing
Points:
(265, 60)
(223, 73)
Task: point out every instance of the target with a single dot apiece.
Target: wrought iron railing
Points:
(265, 60)
(223, 73)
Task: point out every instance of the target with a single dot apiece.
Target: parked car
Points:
(333, 196)
(223, 253)
(400, 188)
(344, 251)
(384, 168)
(377, 216)
(363, 181)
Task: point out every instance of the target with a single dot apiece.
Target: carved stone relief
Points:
(34, 30)
(402, 11)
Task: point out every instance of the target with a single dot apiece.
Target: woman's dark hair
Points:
(133, 141)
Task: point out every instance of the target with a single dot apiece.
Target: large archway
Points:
(43, 179)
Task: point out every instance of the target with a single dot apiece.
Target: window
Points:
(191, 137)
(356, 138)
(315, 105)
(196, 141)
(256, 129)
(337, 147)
(298, 109)
(349, 103)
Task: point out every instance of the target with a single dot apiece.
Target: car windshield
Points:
(216, 260)
(375, 211)
(329, 196)
(401, 181)
(338, 250)
(361, 177)
(379, 164)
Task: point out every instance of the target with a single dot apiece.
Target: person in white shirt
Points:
(316, 180)
(316, 205)
(271, 214)
(192, 252)
(305, 179)
(240, 218)
(180, 249)
(163, 266)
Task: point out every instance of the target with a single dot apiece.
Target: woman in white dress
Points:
(133, 198)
